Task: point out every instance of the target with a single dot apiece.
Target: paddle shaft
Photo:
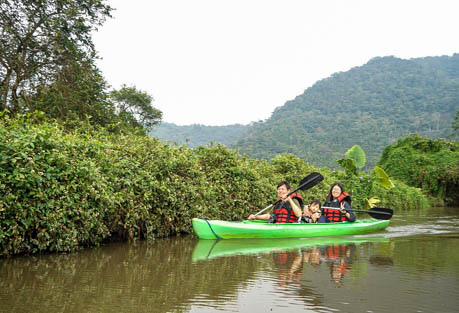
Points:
(355, 210)
(269, 206)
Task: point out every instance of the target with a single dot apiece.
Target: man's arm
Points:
(295, 205)
(260, 217)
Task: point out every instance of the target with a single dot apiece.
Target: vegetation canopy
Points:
(425, 163)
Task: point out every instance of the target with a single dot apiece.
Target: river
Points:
(412, 266)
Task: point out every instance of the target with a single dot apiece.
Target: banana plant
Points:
(355, 159)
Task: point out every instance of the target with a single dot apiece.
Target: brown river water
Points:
(412, 266)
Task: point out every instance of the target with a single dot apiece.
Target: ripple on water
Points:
(421, 229)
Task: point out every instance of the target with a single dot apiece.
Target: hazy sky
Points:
(217, 62)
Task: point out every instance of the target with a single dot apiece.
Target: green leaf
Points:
(348, 165)
(370, 203)
(357, 154)
(382, 178)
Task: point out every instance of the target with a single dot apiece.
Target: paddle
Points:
(377, 213)
(306, 183)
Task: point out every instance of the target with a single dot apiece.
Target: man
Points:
(286, 210)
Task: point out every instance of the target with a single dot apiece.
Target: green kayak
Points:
(215, 229)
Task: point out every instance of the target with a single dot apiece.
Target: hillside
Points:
(199, 135)
(372, 105)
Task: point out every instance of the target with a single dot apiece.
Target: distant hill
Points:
(199, 135)
(372, 105)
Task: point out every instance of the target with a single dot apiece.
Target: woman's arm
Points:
(349, 214)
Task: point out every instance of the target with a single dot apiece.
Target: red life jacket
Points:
(284, 213)
(336, 215)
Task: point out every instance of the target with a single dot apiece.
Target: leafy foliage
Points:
(77, 91)
(382, 178)
(38, 39)
(357, 154)
(425, 163)
(455, 127)
(47, 63)
(349, 165)
(135, 107)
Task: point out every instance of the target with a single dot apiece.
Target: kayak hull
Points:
(216, 229)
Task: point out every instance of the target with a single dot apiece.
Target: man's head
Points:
(283, 188)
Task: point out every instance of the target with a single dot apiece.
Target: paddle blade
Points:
(310, 181)
(381, 213)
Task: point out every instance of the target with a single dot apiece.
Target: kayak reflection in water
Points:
(287, 209)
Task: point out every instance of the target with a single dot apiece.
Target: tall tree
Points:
(134, 107)
(36, 39)
(77, 92)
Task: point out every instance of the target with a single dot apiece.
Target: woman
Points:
(340, 200)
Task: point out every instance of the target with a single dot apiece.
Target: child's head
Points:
(314, 206)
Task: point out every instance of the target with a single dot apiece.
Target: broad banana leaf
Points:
(382, 178)
(357, 154)
(370, 203)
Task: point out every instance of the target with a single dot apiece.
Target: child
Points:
(313, 214)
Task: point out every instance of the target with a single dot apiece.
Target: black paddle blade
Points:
(381, 213)
(310, 181)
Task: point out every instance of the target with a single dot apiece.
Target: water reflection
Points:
(156, 277)
(380, 273)
(338, 258)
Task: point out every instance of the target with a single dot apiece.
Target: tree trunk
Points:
(4, 88)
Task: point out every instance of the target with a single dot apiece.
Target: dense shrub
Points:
(431, 165)
(53, 193)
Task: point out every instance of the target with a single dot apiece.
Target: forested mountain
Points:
(372, 105)
(199, 135)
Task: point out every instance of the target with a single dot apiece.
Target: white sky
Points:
(221, 62)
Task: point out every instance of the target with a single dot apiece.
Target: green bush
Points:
(431, 165)
(53, 194)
